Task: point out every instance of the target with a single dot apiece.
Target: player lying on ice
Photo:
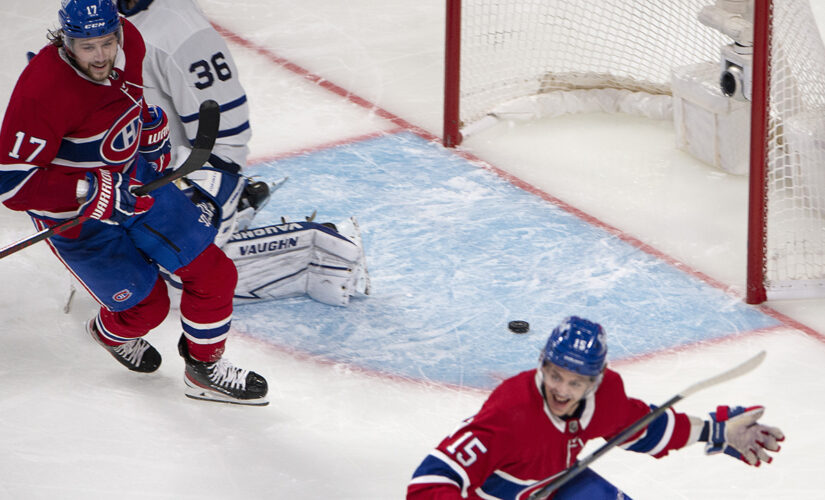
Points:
(533, 426)
(187, 62)
(76, 138)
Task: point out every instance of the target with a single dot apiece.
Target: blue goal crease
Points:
(454, 253)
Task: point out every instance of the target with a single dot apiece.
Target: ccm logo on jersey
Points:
(121, 141)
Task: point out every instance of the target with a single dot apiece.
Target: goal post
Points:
(452, 74)
(756, 292)
(742, 80)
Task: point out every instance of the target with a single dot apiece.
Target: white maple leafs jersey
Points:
(187, 62)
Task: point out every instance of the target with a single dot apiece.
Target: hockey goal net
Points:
(539, 58)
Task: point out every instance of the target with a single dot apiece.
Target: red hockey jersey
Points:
(514, 441)
(59, 124)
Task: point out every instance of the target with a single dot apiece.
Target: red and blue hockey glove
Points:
(110, 199)
(154, 139)
(736, 432)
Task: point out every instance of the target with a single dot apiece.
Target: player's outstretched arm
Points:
(736, 431)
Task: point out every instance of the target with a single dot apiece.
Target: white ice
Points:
(74, 425)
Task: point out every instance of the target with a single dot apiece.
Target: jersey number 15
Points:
(467, 454)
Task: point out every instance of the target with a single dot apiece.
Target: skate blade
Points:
(274, 186)
(195, 392)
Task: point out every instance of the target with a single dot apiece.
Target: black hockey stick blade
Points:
(208, 124)
(580, 465)
(209, 120)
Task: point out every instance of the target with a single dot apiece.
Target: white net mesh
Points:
(515, 50)
(796, 151)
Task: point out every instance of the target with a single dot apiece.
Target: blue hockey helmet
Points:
(88, 18)
(578, 345)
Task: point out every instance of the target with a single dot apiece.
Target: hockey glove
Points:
(154, 138)
(110, 199)
(736, 432)
(216, 189)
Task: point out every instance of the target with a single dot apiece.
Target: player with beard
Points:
(76, 138)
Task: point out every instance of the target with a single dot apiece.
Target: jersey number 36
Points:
(206, 72)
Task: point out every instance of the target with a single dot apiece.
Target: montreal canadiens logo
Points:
(120, 143)
(122, 295)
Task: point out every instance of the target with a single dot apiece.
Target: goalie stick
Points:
(208, 123)
(580, 465)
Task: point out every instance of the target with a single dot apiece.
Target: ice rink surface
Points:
(537, 224)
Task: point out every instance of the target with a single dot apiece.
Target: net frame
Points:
(486, 78)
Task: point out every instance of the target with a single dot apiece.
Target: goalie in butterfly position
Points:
(188, 62)
(534, 425)
(77, 136)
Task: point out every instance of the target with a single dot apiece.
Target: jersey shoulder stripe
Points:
(234, 131)
(13, 178)
(223, 107)
(437, 467)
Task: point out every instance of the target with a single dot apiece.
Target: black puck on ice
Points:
(519, 326)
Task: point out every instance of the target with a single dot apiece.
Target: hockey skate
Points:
(221, 381)
(137, 355)
(253, 199)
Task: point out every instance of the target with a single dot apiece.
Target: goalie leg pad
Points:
(352, 231)
(295, 258)
(331, 272)
(329, 285)
(339, 269)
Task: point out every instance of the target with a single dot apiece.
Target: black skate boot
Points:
(136, 355)
(221, 381)
(253, 198)
(255, 194)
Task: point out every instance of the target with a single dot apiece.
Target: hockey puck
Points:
(519, 326)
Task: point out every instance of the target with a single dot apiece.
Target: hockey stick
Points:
(208, 123)
(580, 465)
